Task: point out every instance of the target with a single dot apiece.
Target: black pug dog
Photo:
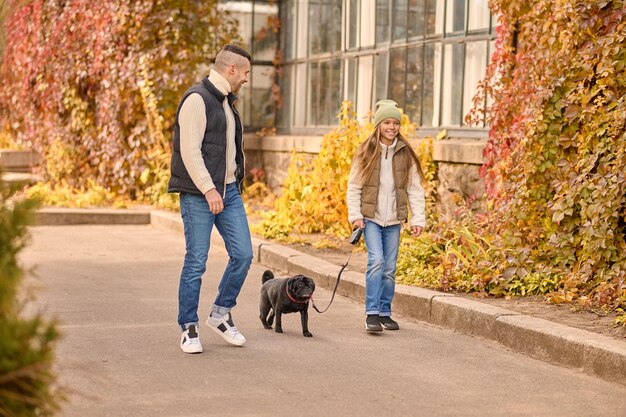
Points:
(285, 295)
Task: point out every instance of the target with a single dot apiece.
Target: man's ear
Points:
(232, 69)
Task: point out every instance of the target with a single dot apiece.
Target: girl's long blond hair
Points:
(368, 154)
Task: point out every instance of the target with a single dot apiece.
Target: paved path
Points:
(114, 290)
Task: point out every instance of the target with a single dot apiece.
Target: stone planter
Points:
(18, 161)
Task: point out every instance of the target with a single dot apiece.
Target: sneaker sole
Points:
(218, 331)
(191, 350)
(370, 330)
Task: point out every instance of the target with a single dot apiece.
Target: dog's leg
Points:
(264, 312)
(304, 318)
(270, 319)
(264, 307)
(279, 324)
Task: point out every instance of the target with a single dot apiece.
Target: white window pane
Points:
(300, 99)
(492, 46)
(475, 66)
(432, 85)
(286, 90)
(364, 96)
(455, 16)
(313, 93)
(478, 15)
(452, 83)
(368, 21)
(303, 27)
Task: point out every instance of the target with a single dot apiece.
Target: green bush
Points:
(26, 342)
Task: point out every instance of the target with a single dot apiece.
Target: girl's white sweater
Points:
(386, 212)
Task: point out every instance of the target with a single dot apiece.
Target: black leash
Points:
(354, 239)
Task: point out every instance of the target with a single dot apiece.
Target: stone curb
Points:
(64, 217)
(592, 353)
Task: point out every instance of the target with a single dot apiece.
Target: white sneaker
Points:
(226, 328)
(190, 340)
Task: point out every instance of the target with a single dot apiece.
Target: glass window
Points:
(283, 118)
(365, 84)
(381, 68)
(325, 32)
(415, 25)
(434, 79)
(434, 17)
(397, 70)
(452, 84)
(494, 23)
(492, 46)
(475, 66)
(313, 90)
(353, 24)
(288, 25)
(335, 23)
(262, 105)
(382, 21)
(265, 39)
(455, 17)
(323, 104)
(302, 28)
(431, 86)
(367, 35)
(478, 15)
(334, 95)
(351, 80)
(315, 31)
(300, 95)
(399, 20)
(413, 101)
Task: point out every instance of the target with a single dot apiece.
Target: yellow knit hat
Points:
(386, 109)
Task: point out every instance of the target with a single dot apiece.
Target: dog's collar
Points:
(296, 301)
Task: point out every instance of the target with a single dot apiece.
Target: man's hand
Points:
(216, 204)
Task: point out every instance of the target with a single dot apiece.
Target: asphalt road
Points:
(114, 292)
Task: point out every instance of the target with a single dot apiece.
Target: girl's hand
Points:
(359, 223)
(416, 230)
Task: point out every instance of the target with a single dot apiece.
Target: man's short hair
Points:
(236, 49)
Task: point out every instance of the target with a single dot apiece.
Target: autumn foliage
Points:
(556, 158)
(93, 86)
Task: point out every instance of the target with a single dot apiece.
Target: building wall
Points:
(428, 55)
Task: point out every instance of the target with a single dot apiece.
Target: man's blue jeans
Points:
(380, 278)
(198, 222)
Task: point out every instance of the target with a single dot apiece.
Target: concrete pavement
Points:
(114, 291)
(593, 353)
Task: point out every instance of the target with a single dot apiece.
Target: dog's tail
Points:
(267, 275)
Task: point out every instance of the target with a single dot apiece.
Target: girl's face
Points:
(389, 129)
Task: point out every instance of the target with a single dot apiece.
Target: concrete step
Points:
(20, 178)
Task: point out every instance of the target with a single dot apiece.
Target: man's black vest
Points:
(213, 144)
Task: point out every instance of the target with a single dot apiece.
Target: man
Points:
(207, 170)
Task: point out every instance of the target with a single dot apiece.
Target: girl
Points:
(384, 179)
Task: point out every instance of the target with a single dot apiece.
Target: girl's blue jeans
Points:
(380, 278)
(198, 222)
